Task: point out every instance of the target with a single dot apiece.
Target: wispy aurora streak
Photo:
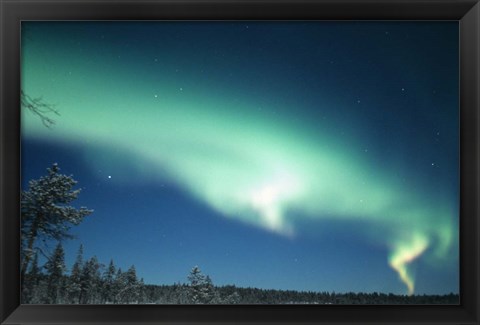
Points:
(405, 253)
(268, 168)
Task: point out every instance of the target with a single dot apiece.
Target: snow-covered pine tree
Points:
(210, 294)
(201, 289)
(91, 281)
(35, 271)
(119, 286)
(40, 291)
(142, 298)
(74, 287)
(46, 212)
(108, 290)
(180, 294)
(232, 299)
(55, 268)
(32, 279)
(196, 279)
(130, 293)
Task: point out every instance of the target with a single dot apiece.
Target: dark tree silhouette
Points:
(91, 281)
(56, 268)
(32, 279)
(74, 287)
(108, 292)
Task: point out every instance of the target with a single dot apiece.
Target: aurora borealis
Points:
(292, 155)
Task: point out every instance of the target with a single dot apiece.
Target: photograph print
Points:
(240, 162)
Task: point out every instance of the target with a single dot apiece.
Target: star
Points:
(156, 96)
(181, 88)
(403, 89)
(109, 176)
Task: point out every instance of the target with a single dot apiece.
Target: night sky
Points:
(286, 155)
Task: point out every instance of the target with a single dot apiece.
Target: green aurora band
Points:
(269, 171)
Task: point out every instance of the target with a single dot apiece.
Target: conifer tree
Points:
(210, 295)
(91, 281)
(119, 286)
(130, 292)
(201, 290)
(46, 212)
(108, 291)
(55, 268)
(141, 292)
(74, 288)
(233, 299)
(32, 280)
(35, 270)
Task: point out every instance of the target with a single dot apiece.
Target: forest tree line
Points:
(91, 282)
(48, 216)
(168, 294)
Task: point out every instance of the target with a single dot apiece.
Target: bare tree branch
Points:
(38, 107)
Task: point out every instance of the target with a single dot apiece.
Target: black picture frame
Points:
(467, 12)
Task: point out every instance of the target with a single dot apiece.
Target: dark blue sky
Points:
(289, 155)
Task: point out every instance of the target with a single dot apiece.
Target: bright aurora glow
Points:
(291, 131)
